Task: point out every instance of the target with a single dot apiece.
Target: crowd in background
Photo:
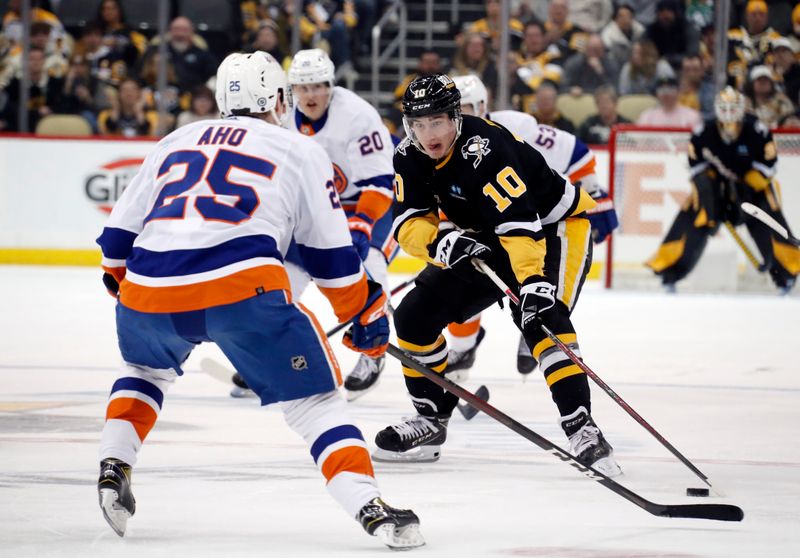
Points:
(105, 70)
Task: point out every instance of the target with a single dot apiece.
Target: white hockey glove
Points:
(537, 295)
(455, 249)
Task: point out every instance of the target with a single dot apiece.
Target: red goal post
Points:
(649, 179)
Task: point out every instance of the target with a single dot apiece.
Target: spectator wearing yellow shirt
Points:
(491, 26)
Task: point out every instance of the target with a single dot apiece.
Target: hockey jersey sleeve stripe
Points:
(584, 167)
(383, 183)
(175, 263)
(519, 228)
(374, 204)
(767, 171)
(330, 263)
(138, 385)
(697, 169)
(347, 301)
(115, 243)
(563, 207)
(415, 235)
(197, 296)
(407, 215)
(332, 436)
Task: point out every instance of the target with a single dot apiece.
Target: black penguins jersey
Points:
(753, 152)
(490, 183)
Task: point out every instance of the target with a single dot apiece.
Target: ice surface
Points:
(718, 376)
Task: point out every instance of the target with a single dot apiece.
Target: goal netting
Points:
(649, 180)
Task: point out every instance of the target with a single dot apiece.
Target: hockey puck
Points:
(697, 492)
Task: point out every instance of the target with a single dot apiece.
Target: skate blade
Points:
(608, 466)
(401, 538)
(421, 454)
(353, 395)
(116, 516)
(242, 393)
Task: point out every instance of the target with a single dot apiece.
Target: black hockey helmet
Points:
(432, 94)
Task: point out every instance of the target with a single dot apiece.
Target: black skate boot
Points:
(397, 529)
(459, 362)
(525, 361)
(114, 491)
(240, 387)
(588, 444)
(364, 377)
(417, 439)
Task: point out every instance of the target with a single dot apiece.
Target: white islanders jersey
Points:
(210, 214)
(357, 142)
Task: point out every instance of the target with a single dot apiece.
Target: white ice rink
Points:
(718, 376)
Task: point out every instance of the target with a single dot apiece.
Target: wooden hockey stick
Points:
(758, 213)
(745, 248)
(720, 512)
(589, 372)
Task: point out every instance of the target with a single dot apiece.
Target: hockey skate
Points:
(588, 444)
(459, 362)
(240, 387)
(525, 361)
(415, 440)
(114, 491)
(364, 377)
(397, 529)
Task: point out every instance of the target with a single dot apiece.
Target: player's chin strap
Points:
(489, 272)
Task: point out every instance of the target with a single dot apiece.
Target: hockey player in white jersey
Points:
(194, 250)
(354, 137)
(565, 154)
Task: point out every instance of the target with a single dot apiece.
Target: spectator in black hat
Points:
(673, 35)
(668, 112)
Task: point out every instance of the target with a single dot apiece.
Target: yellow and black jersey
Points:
(490, 183)
(750, 159)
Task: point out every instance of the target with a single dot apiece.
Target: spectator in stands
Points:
(546, 110)
(473, 57)
(127, 44)
(84, 94)
(105, 64)
(429, 63)
(585, 71)
(591, 15)
(175, 98)
(596, 129)
(561, 32)
(620, 34)
(763, 98)
(267, 39)
(696, 88)
(490, 27)
(535, 60)
(334, 20)
(700, 13)
(750, 45)
(645, 10)
(706, 48)
(45, 95)
(673, 36)
(640, 74)
(56, 63)
(794, 33)
(12, 25)
(203, 107)
(787, 66)
(668, 112)
(193, 64)
(128, 116)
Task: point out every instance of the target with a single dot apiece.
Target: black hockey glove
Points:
(455, 249)
(112, 285)
(536, 295)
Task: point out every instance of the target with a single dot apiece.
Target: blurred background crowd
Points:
(578, 65)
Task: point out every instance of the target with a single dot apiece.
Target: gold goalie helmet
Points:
(729, 110)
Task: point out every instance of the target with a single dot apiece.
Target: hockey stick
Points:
(468, 411)
(720, 512)
(758, 213)
(589, 372)
(746, 249)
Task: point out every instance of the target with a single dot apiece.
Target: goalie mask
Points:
(473, 93)
(428, 96)
(729, 108)
(252, 83)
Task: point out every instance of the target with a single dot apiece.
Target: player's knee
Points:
(419, 315)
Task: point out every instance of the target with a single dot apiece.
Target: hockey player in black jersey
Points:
(732, 159)
(504, 206)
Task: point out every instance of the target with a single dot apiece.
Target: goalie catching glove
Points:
(455, 249)
(369, 333)
(537, 295)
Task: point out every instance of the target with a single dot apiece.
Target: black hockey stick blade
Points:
(468, 411)
(768, 220)
(720, 512)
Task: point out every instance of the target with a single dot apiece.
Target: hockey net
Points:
(649, 180)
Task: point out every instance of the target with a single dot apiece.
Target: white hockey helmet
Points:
(252, 83)
(473, 92)
(729, 108)
(311, 66)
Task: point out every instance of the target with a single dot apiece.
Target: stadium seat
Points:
(207, 15)
(141, 14)
(576, 109)
(63, 125)
(631, 106)
(74, 14)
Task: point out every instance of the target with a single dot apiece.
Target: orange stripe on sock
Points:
(353, 459)
(137, 412)
(466, 329)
